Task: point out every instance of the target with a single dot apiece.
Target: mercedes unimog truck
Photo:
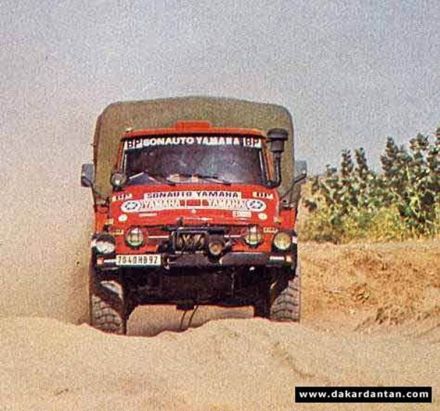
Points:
(195, 203)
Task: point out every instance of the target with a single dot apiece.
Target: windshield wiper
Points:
(160, 178)
(214, 178)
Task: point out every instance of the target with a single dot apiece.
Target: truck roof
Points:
(225, 113)
(192, 127)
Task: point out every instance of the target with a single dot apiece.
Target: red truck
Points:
(195, 203)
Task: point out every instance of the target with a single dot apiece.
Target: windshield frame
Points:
(262, 153)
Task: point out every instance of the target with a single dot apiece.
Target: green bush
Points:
(400, 202)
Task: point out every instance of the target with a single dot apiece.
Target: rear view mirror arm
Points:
(299, 178)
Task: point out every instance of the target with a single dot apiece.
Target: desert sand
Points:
(370, 317)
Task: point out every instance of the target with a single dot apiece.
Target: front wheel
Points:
(282, 302)
(108, 311)
(105, 317)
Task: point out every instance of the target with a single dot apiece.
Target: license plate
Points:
(135, 260)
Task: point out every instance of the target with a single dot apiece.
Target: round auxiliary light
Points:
(135, 237)
(216, 247)
(282, 241)
(253, 236)
(104, 244)
(118, 179)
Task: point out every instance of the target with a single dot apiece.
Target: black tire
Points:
(281, 301)
(287, 305)
(105, 318)
(107, 306)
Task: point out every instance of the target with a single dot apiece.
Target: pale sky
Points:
(351, 72)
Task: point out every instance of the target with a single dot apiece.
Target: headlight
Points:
(135, 237)
(104, 243)
(253, 236)
(282, 241)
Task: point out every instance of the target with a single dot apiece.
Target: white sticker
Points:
(122, 197)
(131, 206)
(256, 205)
(262, 194)
(242, 214)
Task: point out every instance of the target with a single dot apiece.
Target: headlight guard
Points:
(135, 237)
(253, 235)
(282, 241)
(104, 243)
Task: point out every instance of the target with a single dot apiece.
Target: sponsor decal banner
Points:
(192, 194)
(141, 142)
(178, 200)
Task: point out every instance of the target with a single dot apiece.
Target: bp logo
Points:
(256, 205)
(131, 206)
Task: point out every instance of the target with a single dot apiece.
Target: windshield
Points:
(206, 159)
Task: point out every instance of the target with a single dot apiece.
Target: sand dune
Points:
(224, 365)
(371, 317)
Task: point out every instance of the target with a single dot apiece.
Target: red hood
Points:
(195, 204)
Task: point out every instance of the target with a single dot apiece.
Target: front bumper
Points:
(231, 259)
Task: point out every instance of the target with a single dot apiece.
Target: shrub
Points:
(400, 202)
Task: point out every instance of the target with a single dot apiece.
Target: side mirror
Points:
(87, 175)
(300, 172)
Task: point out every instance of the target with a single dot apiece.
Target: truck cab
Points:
(194, 216)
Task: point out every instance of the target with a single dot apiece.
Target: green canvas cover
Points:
(162, 113)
